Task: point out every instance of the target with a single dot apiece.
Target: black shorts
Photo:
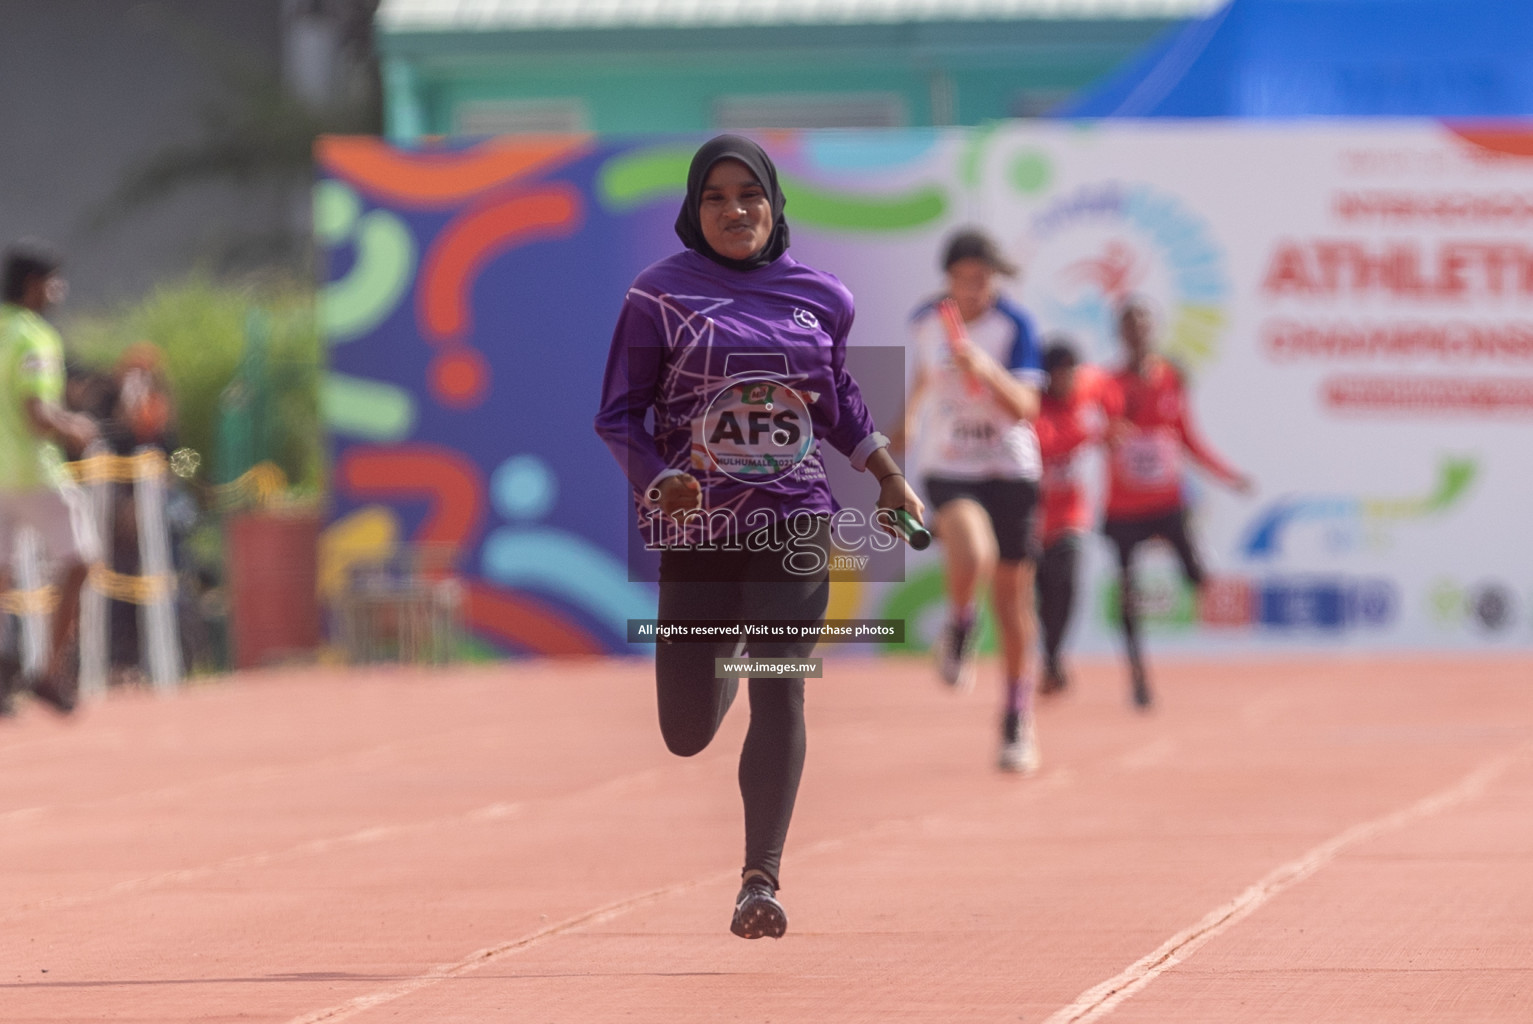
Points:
(1010, 504)
(1171, 527)
(1130, 533)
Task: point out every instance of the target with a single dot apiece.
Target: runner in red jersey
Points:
(1070, 419)
(1152, 427)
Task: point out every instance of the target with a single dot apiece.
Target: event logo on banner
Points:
(1102, 243)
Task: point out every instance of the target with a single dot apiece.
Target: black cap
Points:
(973, 244)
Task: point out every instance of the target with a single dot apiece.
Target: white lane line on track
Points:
(355, 759)
(484, 957)
(1147, 756)
(161, 793)
(442, 972)
(317, 847)
(1100, 1000)
(310, 848)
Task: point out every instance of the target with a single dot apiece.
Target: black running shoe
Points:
(61, 691)
(60, 695)
(758, 915)
(1054, 681)
(1143, 700)
(10, 682)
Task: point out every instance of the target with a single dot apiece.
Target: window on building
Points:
(1039, 102)
(504, 117)
(810, 110)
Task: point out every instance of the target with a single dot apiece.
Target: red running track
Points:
(1341, 841)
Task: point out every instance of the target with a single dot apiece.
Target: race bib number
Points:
(753, 431)
(971, 436)
(1059, 474)
(1148, 460)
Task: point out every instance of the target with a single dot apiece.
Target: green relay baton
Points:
(907, 526)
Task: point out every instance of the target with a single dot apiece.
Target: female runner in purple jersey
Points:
(737, 352)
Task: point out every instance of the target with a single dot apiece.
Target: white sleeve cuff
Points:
(1035, 378)
(870, 444)
(664, 474)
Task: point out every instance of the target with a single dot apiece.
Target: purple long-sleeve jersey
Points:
(732, 377)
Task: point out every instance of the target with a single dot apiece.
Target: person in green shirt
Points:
(36, 432)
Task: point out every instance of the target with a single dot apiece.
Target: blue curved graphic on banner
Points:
(565, 566)
(1263, 539)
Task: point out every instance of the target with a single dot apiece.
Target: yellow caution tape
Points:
(114, 585)
(132, 589)
(121, 469)
(29, 602)
(261, 484)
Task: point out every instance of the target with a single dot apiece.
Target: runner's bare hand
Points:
(895, 492)
(679, 494)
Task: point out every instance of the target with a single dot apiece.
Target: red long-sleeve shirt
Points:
(1064, 428)
(1145, 464)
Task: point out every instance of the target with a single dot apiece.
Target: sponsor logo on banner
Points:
(1332, 603)
(1320, 603)
(1486, 607)
(1345, 522)
(1493, 606)
(1100, 244)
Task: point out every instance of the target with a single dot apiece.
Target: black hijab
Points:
(689, 227)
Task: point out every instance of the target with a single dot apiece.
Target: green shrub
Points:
(201, 326)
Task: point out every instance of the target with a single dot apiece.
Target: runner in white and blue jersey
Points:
(969, 416)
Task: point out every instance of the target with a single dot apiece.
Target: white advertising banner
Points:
(1353, 306)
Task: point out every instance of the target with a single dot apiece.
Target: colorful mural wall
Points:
(1353, 303)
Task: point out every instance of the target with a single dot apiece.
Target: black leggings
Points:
(1056, 593)
(1128, 534)
(741, 586)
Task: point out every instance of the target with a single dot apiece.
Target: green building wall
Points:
(658, 80)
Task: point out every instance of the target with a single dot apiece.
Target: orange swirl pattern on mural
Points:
(454, 494)
(514, 618)
(478, 236)
(427, 179)
(445, 479)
